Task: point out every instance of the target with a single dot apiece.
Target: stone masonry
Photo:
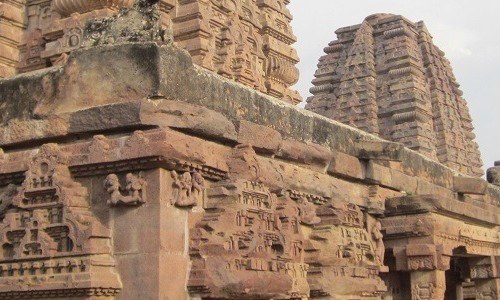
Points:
(246, 41)
(386, 77)
(129, 171)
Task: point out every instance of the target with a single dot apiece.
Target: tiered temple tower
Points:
(246, 41)
(385, 76)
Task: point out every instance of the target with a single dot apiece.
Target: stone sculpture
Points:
(187, 188)
(379, 242)
(134, 190)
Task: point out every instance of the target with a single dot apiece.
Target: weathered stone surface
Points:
(466, 185)
(344, 165)
(493, 174)
(248, 42)
(243, 196)
(260, 137)
(385, 76)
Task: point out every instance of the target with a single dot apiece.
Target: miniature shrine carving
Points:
(50, 239)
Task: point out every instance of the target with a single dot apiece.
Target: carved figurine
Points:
(134, 189)
(187, 188)
(307, 212)
(379, 242)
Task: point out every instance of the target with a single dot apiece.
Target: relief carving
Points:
(187, 188)
(50, 239)
(423, 291)
(99, 148)
(307, 212)
(134, 191)
(6, 198)
(340, 246)
(379, 242)
(418, 263)
(248, 245)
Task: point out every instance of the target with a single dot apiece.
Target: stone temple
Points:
(386, 77)
(152, 150)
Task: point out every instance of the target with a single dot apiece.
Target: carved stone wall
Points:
(246, 41)
(51, 241)
(168, 181)
(386, 77)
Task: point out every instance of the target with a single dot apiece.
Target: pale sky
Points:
(467, 31)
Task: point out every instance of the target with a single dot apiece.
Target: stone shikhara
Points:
(130, 172)
(386, 77)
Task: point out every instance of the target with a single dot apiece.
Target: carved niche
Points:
(50, 239)
(343, 254)
(248, 245)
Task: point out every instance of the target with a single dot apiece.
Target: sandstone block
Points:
(345, 165)
(469, 185)
(191, 118)
(309, 154)
(378, 174)
(260, 137)
(381, 150)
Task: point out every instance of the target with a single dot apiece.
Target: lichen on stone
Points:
(140, 23)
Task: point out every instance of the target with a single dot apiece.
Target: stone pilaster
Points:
(428, 285)
(12, 14)
(485, 272)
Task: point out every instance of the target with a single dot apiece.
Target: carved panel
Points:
(50, 239)
(248, 245)
(341, 250)
(423, 291)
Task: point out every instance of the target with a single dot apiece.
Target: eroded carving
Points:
(134, 191)
(341, 247)
(50, 239)
(248, 244)
(379, 242)
(423, 291)
(7, 197)
(187, 188)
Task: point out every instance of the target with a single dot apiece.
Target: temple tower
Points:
(385, 76)
(245, 41)
(12, 24)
